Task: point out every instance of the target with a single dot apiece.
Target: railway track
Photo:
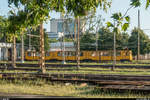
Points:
(84, 76)
(121, 82)
(60, 69)
(4, 65)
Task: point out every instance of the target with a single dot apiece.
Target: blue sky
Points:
(117, 6)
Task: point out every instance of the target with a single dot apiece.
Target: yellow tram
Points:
(121, 55)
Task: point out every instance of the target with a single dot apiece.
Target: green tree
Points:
(3, 29)
(87, 41)
(80, 8)
(16, 27)
(105, 41)
(37, 11)
(53, 40)
(144, 42)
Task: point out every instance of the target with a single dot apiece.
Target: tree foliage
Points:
(81, 7)
(144, 42)
(36, 11)
(3, 29)
(87, 41)
(137, 3)
(121, 22)
(105, 41)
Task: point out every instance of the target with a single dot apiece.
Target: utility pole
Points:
(114, 54)
(64, 61)
(96, 41)
(29, 34)
(42, 51)
(29, 42)
(138, 55)
(78, 45)
(97, 44)
(22, 49)
(63, 35)
(14, 52)
(75, 29)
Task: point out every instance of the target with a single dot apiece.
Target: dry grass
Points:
(58, 89)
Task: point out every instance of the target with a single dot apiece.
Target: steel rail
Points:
(5, 65)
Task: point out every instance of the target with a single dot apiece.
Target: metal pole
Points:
(138, 55)
(22, 49)
(61, 43)
(29, 42)
(97, 53)
(6, 48)
(97, 45)
(78, 45)
(75, 29)
(64, 61)
(114, 55)
(63, 35)
(96, 41)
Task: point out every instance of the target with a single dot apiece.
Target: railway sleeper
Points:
(126, 87)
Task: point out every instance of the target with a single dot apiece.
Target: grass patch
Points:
(134, 62)
(87, 70)
(41, 87)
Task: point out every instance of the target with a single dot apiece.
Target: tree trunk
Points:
(14, 53)
(42, 51)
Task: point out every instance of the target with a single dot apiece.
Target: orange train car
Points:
(121, 55)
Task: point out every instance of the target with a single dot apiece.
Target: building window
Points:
(60, 27)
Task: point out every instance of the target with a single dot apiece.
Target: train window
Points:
(70, 54)
(93, 54)
(66, 53)
(33, 54)
(29, 53)
(81, 53)
(106, 54)
(47, 54)
(101, 54)
(127, 53)
(37, 54)
(59, 54)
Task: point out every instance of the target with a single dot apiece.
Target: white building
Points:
(69, 46)
(52, 35)
(5, 52)
(63, 25)
(56, 25)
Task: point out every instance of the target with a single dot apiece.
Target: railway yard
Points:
(74, 49)
(126, 77)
